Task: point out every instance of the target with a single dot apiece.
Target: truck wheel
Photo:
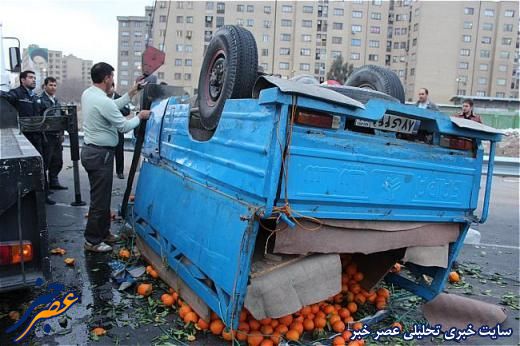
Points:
(377, 78)
(226, 72)
(361, 95)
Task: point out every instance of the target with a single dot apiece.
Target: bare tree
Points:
(340, 71)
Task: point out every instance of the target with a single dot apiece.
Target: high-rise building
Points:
(132, 39)
(460, 47)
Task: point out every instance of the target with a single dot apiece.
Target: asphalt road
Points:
(101, 303)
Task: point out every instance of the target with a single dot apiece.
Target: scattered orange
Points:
(69, 261)
(338, 341)
(320, 322)
(343, 313)
(14, 315)
(396, 268)
(191, 317)
(265, 321)
(167, 299)
(286, 320)
(352, 307)
(254, 324)
(267, 342)
(380, 305)
(243, 316)
(282, 329)
(308, 325)
(398, 325)
(226, 334)
(203, 325)
(99, 331)
(124, 254)
(347, 334)
(276, 337)
(298, 326)
(184, 310)
(255, 338)
(154, 274)
(266, 329)
(334, 318)
(338, 326)
(306, 310)
(216, 327)
(144, 289)
(357, 326)
(454, 277)
(358, 276)
(292, 335)
(383, 292)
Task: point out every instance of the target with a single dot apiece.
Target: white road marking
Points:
(499, 246)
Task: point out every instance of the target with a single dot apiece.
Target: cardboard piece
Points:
(308, 280)
(450, 310)
(340, 236)
(428, 256)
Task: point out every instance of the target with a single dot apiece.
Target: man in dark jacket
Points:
(120, 153)
(27, 104)
(53, 147)
(467, 111)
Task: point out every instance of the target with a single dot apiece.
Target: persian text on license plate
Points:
(393, 123)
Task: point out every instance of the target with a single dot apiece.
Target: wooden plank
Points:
(174, 281)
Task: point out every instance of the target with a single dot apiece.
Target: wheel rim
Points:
(367, 86)
(215, 77)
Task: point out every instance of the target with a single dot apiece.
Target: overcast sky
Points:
(85, 28)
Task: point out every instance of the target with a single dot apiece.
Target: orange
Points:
(360, 299)
(226, 334)
(124, 254)
(305, 310)
(347, 334)
(149, 269)
(315, 308)
(338, 298)
(275, 338)
(308, 324)
(191, 317)
(184, 310)
(380, 305)
(321, 314)
(14, 315)
(241, 335)
(396, 268)
(320, 322)
(144, 290)
(355, 288)
(267, 342)
(338, 326)
(348, 319)
(243, 316)
(265, 321)
(216, 327)
(454, 277)
(255, 338)
(267, 329)
(244, 327)
(350, 297)
(299, 319)
(357, 326)
(203, 325)
(292, 335)
(358, 276)
(372, 297)
(398, 325)
(344, 288)
(99, 331)
(334, 318)
(343, 313)
(254, 324)
(352, 307)
(167, 299)
(328, 309)
(212, 316)
(282, 329)
(351, 269)
(175, 296)
(274, 323)
(298, 326)
(338, 341)
(286, 320)
(153, 274)
(383, 292)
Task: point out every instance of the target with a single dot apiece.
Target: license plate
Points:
(393, 123)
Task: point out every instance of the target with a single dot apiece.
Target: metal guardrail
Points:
(505, 166)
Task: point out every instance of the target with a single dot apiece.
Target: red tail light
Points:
(324, 121)
(11, 252)
(457, 143)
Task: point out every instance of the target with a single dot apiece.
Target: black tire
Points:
(359, 94)
(228, 71)
(377, 78)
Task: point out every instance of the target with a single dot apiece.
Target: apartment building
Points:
(465, 48)
(133, 32)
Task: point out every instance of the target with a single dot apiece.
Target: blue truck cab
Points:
(293, 154)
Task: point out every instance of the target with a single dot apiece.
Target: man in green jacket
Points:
(102, 120)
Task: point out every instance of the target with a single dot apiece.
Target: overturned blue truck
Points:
(249, 196)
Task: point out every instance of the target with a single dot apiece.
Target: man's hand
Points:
(143, 115)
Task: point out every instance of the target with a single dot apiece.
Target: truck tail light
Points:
(459, 143)
(11, 252)
(323, 121)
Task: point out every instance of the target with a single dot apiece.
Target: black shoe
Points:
(49, 201)
(120, 175)
(57, 186)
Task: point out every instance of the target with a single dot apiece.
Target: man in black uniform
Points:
(53, 147)
(27, 104)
